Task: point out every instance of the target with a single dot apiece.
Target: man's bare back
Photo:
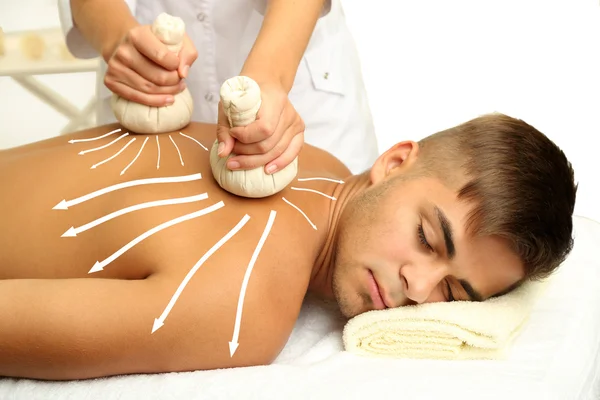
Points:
(125, 256)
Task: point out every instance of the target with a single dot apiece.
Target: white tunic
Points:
(328, 90)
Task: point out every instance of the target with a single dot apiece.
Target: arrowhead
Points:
(70, 233)
(157, 325)
(61, 206)
(71, 141)
(97, 267)
(81, 153)
(232, 348)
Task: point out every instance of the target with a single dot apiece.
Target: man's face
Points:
(405, 243)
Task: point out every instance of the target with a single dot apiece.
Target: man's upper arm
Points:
(85, 328)
(211, 329)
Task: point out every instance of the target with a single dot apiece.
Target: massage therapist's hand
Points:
(273, 140)
(143, 70)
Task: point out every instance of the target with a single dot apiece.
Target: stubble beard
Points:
(360, 211)
(350, 303)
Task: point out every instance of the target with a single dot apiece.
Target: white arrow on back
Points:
(178, 152)
(320, 179)
(301, 212)
(65, 204)
(105, 145)
(160, 321)
(189, 137)
(99, 265)
(122, 149)
(94, 138)
(313, 191)
(233, 345)
(72, 232)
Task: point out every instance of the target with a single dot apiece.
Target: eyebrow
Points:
(447, 231)
(473, 294)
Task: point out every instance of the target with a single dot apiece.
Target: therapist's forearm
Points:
(103, 23)
(282, 40)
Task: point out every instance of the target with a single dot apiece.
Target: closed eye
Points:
(422, 238)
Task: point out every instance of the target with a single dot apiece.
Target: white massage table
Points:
(556, 356)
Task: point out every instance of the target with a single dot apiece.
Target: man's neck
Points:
(321, 280)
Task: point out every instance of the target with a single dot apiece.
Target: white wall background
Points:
(428, 65)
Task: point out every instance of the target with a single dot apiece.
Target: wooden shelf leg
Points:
(85, 119)
(48, 96)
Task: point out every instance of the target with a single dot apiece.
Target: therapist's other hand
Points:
(143, 70)
(274, 139)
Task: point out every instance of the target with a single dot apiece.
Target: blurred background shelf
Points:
(27, 54)
(54, 58)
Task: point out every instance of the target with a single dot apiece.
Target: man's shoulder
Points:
(315, 159)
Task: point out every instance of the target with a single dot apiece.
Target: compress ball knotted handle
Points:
(241, 101)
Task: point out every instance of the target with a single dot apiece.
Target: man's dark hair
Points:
(520, 183)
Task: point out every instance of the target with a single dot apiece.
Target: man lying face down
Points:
(120, 254)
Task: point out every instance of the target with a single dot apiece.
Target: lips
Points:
(376, 296)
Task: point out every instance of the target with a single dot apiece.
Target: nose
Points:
(421, 279)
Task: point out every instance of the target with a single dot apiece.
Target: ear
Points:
(397, 159)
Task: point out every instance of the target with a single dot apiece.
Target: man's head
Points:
(468, 213)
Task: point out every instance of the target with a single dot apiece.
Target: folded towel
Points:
(454, 330)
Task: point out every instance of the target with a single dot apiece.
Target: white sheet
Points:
(557, 356)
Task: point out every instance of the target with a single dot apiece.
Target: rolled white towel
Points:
(241, 101)
(455, 330)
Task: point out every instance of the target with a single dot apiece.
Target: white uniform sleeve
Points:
(76, 43)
